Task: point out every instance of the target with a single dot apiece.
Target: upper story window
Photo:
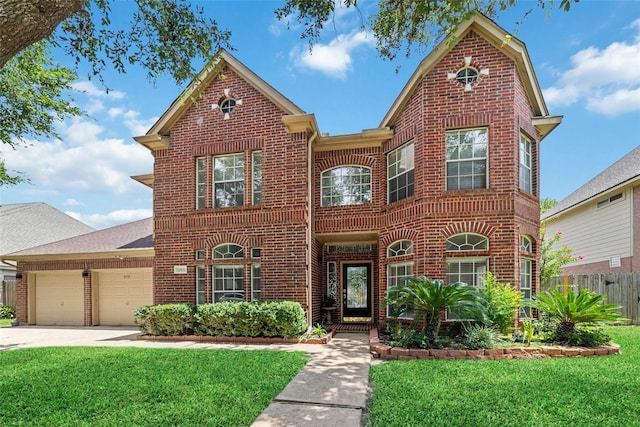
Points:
(526, 244)
(400, 248)
(467, 75)
(227, 105)
(228, 251)
(228, 180)
(525, 165)
(346, 185)
(467, 242)
(256, 174)
(466, 155)
(201, 182)
(609, 200)
(400, 173)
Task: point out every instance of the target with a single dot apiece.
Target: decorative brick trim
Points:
(382, 351)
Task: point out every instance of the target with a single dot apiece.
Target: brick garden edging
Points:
(239, 340)
(386, 352)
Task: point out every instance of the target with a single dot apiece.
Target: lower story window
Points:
(228, 283)
(470, 271)
(397, 275)
(525, 285)
(255, 282)
(200, 284)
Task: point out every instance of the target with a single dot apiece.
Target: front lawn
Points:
(101, 386)
(593, 391)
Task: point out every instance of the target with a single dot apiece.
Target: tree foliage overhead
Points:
(401, 25)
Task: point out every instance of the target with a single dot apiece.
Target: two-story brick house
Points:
(253, 201)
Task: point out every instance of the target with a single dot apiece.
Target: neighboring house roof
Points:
(25, 225)
(514, 49)
(622, 172)
(117, 241)
(156, 137)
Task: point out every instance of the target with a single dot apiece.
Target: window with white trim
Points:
(256, 274)
(470, 271)
(201, 182)
(200, 284)
(526, 267)
(228, 180)
(256, 174)
(526, 244)
(397, 275)
(346, 185)
(467, 242)
(228, 283)
(609, 200)
(467, 159)
(526, 182)
(228, 250)
(400, 248)
(400, 173)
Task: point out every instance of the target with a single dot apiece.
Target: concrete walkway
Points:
(331, 390)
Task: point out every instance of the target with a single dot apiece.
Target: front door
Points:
(356, 292)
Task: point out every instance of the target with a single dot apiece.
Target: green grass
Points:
(100, 386)
(589, 391)
(5, 323)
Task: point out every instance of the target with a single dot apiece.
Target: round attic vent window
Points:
(467, 75)
(227, 105)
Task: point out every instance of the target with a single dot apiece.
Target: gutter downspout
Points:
(309, 225)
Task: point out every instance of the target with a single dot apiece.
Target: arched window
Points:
(346, 185)
(467, 242)
(400, 248)
(227, 251)
(526, 244)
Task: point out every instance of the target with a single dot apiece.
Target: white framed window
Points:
(256, 174)
(609, 200)
(256, 252)
(397, 275)
(228, 283)
(228, 180)
(526, 267)
(200, 254)
(526, 244)
(467, 242)
(200, 284)
(470, 271)
(526, 182)
(400, 173)
(400, 248)
(256, 274)
(467, 159)
(201, 182)
(227, 251)
(346, 185)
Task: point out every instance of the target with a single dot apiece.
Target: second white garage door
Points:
(122, 291)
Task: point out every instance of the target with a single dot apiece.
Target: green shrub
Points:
(251, 319)
(408, 338)
(479, 337)
(165, 319)
(502, 303)
(587, 337)
(7, 312)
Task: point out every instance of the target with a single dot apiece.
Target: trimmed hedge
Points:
(232, 319)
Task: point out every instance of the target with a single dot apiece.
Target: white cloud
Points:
(115, 112)
(73, 202)
(94, 91)
(136, 125)
(333, 59)
(101, 221)
(606, 80)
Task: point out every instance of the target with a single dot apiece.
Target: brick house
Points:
(252, 201)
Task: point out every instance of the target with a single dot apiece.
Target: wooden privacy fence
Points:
(622, 289)
(8, 293)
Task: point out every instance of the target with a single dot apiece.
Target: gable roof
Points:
(121, 240)
(622, 172)
(156, 138)
(494, 34)
(25, 225)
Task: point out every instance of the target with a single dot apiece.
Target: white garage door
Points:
(60, 299)
(122, 291)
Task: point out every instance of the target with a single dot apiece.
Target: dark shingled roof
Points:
(131, 236)
(624, 170)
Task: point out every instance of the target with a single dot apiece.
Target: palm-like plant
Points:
(429, 299)
(573, 309)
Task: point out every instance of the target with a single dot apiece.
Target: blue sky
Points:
(587, 62)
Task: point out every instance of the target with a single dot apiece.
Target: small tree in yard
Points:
(430, 299)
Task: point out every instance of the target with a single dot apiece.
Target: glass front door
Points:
(356, 290)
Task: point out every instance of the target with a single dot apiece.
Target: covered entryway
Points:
(119, 292)
(59, 298)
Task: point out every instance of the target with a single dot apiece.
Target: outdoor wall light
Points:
(19, 276)
(85, 273)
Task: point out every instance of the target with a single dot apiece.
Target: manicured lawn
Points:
(590, 391)
(91, 386)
